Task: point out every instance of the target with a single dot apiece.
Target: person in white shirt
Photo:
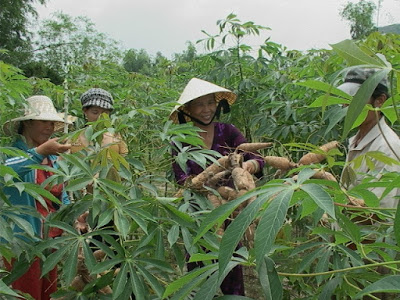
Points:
(373, 135)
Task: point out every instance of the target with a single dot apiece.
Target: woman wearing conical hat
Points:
(33, 133)
(201, 102)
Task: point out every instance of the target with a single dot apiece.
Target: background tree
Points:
(360, 16)
(137, 61)
(65, 40)
(14, 33)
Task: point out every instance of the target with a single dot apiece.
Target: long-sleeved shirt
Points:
(226, 138)
(20, 165)
(375, 140)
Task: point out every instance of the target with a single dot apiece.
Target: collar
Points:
(370, 136)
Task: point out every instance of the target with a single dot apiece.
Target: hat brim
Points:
(350, 88)
(11, 127)
(229, 96)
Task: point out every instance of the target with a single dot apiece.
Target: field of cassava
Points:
(288, 109)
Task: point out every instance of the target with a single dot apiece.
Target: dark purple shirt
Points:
(226, 138)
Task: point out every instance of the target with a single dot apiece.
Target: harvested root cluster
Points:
(83, 276)
(228, 179)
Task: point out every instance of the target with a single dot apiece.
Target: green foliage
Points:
(14, 30)
(360, 17)
(145, 228)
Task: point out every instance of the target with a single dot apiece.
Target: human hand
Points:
(52, 146)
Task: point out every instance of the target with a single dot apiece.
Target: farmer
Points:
(373, 135)
(201, 102)
(33, 131)
(95, 102)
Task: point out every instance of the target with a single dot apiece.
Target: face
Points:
(203, 108)
(37, 132)
(92, 113)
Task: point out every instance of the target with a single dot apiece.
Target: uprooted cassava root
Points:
(227, 193)
(277, 162)
(242, 179)
(252, 147)
(198, 181)
(314, 158)
(216, 179)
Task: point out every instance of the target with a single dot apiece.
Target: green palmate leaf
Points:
(115, 186)
(70, 266)
(154, 283)
(202, 257)
(233, 297)
(75, 160)
(122, 223)
(326, 100)
(180, 217)
(321, 198)
(78, 184)
(5, 290)
(270, 223)
(192, 285)
(105, 265)
(53, 259)
(64, 226)
(23, 224)
(397, 225)
(173, 235)
(361, 98)
(351, 229)
(323, 263)
(269, 279)
(354, 55)
(37, 191)
(187, 279)
(389, 284)
(221, 213)
(142, 223)
(209, 289)
(158, 263)
(120, 281)
(329, 288)
(236, 229)
(335, 116)
(309, 259)
(90, 260)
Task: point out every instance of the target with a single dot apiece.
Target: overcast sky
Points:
(166, 25)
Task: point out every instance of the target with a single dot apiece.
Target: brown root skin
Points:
(198, 181)
(215, 200)
(253, 147)
(78, 284)
(215, 180)
(314, 158)
(99, 255)
(277, 162)
(227, 193)
(324, 175)
(242, 179)
(235, 160)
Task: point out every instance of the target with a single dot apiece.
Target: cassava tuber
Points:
(314, 158)
(279, 162)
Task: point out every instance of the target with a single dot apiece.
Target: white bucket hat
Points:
(38, 108)
(197, 88)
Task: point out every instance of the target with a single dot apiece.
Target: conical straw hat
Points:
(38, 108)
(197, 88)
